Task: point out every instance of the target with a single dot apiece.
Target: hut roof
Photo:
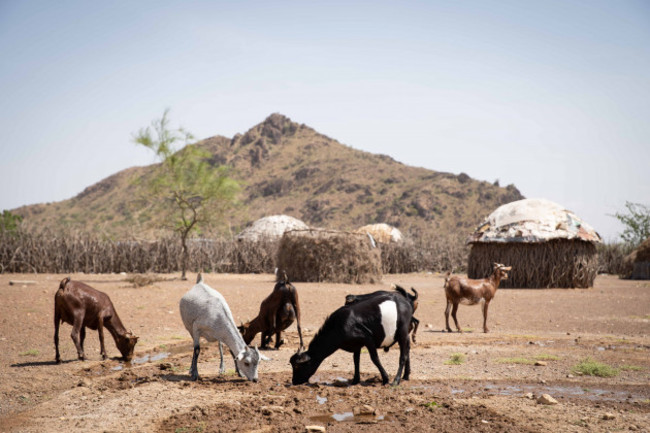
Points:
(533, 221)
(272, 226)
(383, 233)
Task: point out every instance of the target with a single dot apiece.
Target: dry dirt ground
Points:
(489, 391)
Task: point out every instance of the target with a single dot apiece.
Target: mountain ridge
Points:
(290, 168)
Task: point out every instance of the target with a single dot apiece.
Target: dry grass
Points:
(332, 256)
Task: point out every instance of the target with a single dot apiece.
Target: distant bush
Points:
(426, 253)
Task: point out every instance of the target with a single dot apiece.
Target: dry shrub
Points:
(332, 256)
(556, 263)
(612, 258)
(419, 253)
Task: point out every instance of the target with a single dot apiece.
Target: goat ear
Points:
(302, 358)
(241, 355)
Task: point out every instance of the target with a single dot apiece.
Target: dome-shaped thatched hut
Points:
(638, 262)
(546, 245)
(271, 227)
(328, 255)
(382, 233)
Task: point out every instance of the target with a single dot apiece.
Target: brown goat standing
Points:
(471, 292)
(277, 313)
(82, 306)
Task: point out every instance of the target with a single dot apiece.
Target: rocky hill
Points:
(289, 168)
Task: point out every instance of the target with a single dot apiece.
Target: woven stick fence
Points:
(556, 263)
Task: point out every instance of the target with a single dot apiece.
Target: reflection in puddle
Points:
(350, 417)
(151, 358)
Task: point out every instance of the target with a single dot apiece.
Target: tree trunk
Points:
(184, 255)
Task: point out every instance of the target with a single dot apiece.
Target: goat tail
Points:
(64, 282)
(415, 294)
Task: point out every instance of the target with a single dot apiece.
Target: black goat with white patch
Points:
(372, 323)
(413, 299)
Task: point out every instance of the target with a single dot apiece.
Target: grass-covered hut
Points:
(271, 228)
(327, 255)
(638, 262)
(382, 233)
(546, 245)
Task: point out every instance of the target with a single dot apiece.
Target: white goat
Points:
(206, 314)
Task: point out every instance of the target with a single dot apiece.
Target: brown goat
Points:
(82, 306)
(471, 292)
(277, 313)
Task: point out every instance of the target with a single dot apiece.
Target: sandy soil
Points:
(489, 391)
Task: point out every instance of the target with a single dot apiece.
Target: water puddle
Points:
(350, 417)
(570, 391)
(151, 358)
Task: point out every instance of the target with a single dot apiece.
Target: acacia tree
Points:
(636, 222)
(198, 192)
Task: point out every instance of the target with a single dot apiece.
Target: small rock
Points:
(543, 382)
(165, 366)
(84, 382)
(529, 396)
(409, 410)
(315, 428)
(546, 399)
(297, 410)
(269, 410)
(633, 427)
(485, 421)
(540, 363)
(609, 416)
(570, 376)
(363, 410)
(429, 325)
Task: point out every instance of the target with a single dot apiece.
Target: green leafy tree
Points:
(636, 222)
(9, 222)
(198, 192)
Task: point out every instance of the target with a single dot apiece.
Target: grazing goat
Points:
(277, 313)
(81, 306)
(413, 299)
(372, 323)
(206, 314)
(471, 292)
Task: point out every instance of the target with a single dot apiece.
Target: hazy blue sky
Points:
(553, 96)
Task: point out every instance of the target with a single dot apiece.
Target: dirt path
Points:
(486, 392)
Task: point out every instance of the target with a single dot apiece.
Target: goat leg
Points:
(404, 364)
(375, 360)
(453, 314)
(485, 313)
(76, 336)
(100, 331)
(57, 323)
(222, 367)
(414, 325)
(447, 315)
(278, 339)
(194, 371)
(357, 375)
